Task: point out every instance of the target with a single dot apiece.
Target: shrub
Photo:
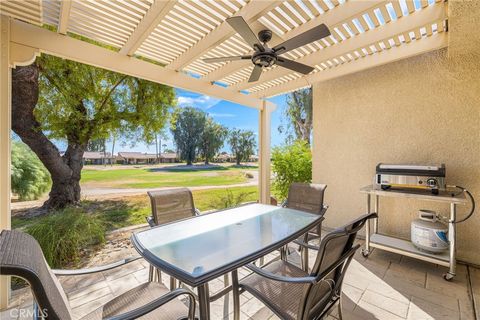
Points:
(231, 199)
(290, 163)
(63, 234)
(30, 179)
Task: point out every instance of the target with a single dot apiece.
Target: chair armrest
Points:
(149, 307)
(106, 267)
(197, 212)
(276, 277)
(150, 221)
(306, 245)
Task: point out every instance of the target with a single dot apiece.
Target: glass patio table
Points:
(199, 249)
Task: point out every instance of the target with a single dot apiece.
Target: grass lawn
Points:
(132, 210)
(164, 177)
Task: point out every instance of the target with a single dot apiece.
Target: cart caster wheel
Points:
(448, 276)
(365, 253)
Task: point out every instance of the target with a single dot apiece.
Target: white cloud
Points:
(204, 102)
(223, 115)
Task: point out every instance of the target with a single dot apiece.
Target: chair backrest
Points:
(334, 255)
(21, 256)
(306, 197)
(171, 205)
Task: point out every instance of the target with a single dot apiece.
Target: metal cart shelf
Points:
(405, 247)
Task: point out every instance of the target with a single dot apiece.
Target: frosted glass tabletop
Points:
(199, 249)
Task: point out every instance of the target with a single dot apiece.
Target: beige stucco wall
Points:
(424, 109)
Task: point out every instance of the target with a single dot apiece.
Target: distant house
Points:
(96, 157)
(169, 157)
(136, 158)
(145, 158)
(224, 157)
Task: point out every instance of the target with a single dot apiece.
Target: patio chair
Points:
(171, 205)
(168, 206)
(306, 197)
(290, 292)
(21, 256)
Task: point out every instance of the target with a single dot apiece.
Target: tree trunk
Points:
(66, 187)
(65, 171)
(113, 150)
(238, 161)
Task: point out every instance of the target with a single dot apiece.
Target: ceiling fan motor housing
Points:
(264, 59)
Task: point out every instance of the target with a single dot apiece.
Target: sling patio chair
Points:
(293, 294)
(306, 197)
(21, 256)
(169, 206)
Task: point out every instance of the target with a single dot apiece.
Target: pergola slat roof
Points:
(179, 34)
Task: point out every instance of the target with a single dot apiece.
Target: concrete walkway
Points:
(95, 193)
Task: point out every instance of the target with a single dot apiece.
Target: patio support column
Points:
(264, 127)
(5, 127)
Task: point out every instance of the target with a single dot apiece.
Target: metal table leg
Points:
(375, 209)
(366, 250)
(203, 301)
(236, 296)
(304, 254)
(452, 244)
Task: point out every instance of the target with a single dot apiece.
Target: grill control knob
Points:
(432, 182)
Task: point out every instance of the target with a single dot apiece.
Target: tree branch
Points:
(112, 89)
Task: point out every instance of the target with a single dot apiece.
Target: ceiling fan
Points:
(264, 56)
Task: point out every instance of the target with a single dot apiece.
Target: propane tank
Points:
(428, 233)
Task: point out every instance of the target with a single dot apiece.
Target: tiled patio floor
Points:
(384, 286)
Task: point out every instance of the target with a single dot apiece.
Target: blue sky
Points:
(229, 114)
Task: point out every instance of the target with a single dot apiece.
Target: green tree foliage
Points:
(29, 177)
(213, 138)
(298, 116)
(242, 143)
(77, 103)
(290, 163)
(96, 145)
(187, 129)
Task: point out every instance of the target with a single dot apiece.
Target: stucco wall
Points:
(424, 109)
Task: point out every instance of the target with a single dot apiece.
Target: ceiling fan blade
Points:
(295, 66)
(255, 75)
(241, 27)
(302, 39)
(226, 59)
